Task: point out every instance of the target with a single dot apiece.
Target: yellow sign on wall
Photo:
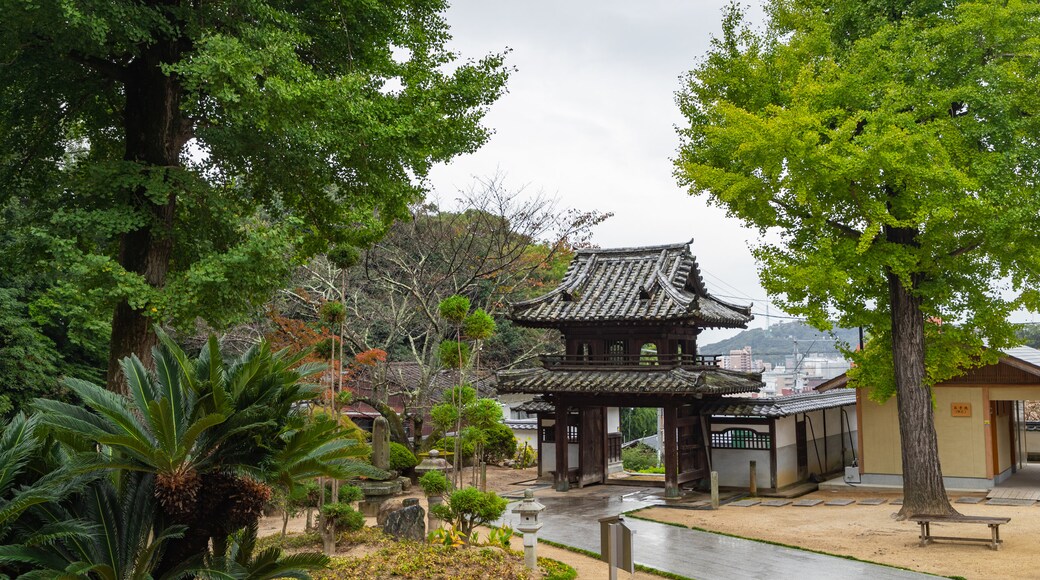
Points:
(960, 409)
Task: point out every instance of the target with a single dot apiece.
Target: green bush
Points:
(525, 456)
(453, 354)
(500, 444)
(639, 458)
(434, 483)
(447, 444)
(345, 517)
(402, 460)
(350, 493)
(556, 570)
(657, 469)
(469, 507)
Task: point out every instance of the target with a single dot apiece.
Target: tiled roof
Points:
(536, 405)
(657, 283)
(410, 375)
(676, 381)
(780, 406)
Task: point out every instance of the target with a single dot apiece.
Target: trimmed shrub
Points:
(402, 460)
(434, 483)
(500, 444)
(345, 517)
(469, 507)
(447, 445)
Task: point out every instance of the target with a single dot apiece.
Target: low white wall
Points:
(734, 467)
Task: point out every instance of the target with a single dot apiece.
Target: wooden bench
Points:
(926, 521)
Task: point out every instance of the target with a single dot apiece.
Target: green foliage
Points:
(332, 312)
(344, 516)
(1029, 334)
(221, 149)
(344, 256)
(193, 437)
(499, 443)
(453, 354)
(478, 325)
(401, 458)
(28, 359)
(466, 450)
(454, 309)
(638, 422)
(888, 152)
(639, 458)
(499, 537)
(469, 507)
(350, 493)
(525, 456)
(434, 483)
(326, 348)
(238, 558)
(556, 570)
(455, 400)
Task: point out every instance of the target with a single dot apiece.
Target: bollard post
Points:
(754, 481)
(714, 490)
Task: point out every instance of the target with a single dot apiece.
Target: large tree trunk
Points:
(155, 133)
(923, 490)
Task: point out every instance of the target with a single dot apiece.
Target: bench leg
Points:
(996, 536)
(926, 533)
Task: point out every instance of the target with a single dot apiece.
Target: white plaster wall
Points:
(785, 432)
(734, 469)
(613, 419)
(1033, 443)
(549, 457)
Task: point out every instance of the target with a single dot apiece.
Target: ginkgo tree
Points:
(888, 151)
(179, 158)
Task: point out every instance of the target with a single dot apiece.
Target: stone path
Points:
(572, 519)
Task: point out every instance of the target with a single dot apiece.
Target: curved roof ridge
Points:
(634, 249)
(667, 285)
(580, 277)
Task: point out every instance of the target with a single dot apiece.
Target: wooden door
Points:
(693, 455)
(591, 446)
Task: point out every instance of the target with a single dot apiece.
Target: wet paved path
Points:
(571, 519)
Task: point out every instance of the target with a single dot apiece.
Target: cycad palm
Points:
(35, 474)
(211, 432)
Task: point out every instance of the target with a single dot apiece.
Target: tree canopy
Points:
(888, 151)
(177, 158)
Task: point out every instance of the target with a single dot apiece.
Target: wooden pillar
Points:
(561, 446)
(538, 437)
(671, 452)
(606, 446)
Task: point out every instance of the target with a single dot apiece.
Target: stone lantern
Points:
(529, 525)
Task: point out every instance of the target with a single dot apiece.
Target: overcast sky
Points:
(590, 118)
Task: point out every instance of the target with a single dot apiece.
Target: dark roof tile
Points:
(676, 381)
(657, 283)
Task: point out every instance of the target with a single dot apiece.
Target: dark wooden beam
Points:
(561, 447)
(671, 452)
(772, 453)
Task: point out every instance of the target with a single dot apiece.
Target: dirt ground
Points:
(871, 533)
(500, 480)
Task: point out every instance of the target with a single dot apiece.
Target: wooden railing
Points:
(740, 438)
(633, 361)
